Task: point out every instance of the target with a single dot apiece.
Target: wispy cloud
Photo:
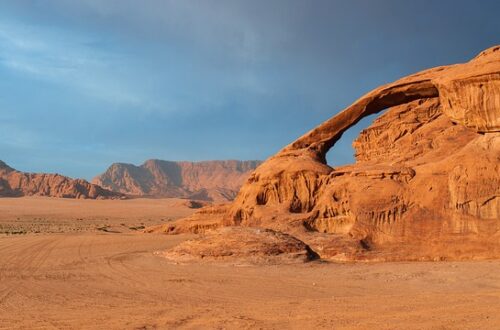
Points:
(67, 59)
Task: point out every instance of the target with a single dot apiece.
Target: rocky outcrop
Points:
(209, 180)
(425, 184)
(16, 184)
(243, 245)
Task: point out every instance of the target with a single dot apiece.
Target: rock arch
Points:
(429, 194)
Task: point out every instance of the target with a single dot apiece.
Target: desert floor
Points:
(85, 264)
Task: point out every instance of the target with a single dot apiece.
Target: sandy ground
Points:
(61, 215)
(72, 275)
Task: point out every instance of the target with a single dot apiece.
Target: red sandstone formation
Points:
(425, 185)
(217, 181)
(15, 184)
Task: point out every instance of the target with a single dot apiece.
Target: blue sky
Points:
(91, 82)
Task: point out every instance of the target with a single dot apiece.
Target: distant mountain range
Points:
(217, 180)
(14, 183)
(214, 181)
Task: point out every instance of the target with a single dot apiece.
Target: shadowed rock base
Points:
(244, 244)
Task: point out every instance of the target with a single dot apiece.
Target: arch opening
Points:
(343, 152)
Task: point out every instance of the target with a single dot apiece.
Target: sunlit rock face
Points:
(425, 184)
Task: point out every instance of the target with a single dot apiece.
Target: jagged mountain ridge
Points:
(14, 183)
(217, 180)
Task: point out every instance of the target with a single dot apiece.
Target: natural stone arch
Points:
(444, 191)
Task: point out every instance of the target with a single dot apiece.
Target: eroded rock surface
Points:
(425, 184)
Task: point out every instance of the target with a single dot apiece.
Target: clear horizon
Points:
(90, 83)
